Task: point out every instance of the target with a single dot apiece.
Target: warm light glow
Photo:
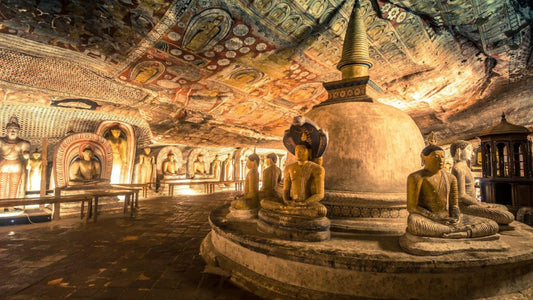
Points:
(115, 173)
(11, 213)
(186, 191)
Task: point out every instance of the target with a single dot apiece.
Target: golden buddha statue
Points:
(145, 168)
(216, 167)
(432, 202)
(170, 166)
(85, 169)
(34, 166)
(199, 166)
(271, 177)
(299, 215)
(462, 152)
(119, 147)
(250, 199)
(14, 151)
(303, 187)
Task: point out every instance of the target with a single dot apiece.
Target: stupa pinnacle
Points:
(355, 60)
(355, 85)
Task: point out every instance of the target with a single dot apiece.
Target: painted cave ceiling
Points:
(221, 72)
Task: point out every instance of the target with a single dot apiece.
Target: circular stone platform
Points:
(355, 266)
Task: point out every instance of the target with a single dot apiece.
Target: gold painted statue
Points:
(271, 177)
(199, 166)
(145, 168)
(170, 166)
(298, 215)
(119, 146)
(461, 152)
(250, 199)
(303, 187)
(14, 152)
(432, 202)
(216, 167)
(34, 166)
(85, 169)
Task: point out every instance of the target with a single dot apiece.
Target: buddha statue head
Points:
(115, 132)
(12, 128)
(147, 150)
(171, 156)
(271, 159)
(301, 151)
(461, 151)
(252, 162)
(36, 155)
(433, 158)
(87, 154)
(200, 157)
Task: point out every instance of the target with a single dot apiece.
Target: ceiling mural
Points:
(216, 71)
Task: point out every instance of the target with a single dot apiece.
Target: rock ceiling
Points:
(221, 72)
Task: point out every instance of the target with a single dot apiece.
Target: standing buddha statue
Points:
(14, 152)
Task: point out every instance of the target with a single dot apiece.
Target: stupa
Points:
(373, 146)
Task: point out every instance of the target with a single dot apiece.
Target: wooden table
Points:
(131, 196)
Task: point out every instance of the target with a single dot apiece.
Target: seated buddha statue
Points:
(461, 152)
(303, 187)
(250, 199)
(432, 203)
(199, 169)
(85, 169)
(170, 166)
(298, 215)
(271, 178)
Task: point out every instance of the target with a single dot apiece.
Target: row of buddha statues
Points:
(441, 205)
(83, 159)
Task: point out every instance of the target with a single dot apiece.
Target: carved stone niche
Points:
(192, 158)
(69, 149)
(127, 133)
(162, 156)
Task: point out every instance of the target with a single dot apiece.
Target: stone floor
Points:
(152, 256)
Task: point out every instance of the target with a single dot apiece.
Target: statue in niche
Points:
(145, 168)
(250, 199)
(206, 31)
(432, 202)
(14, 152)
(462, 152)
(216, 167)
(303, 181)
(85, 168)
(198, 166)
(170, 166)
(271, 178)
(119, 146)
(34, 166)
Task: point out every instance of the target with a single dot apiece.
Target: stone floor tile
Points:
(152, 256)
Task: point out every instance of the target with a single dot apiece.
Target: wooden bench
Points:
(94, 192)
(56, 201)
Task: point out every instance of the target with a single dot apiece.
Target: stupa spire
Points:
(355, 60)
